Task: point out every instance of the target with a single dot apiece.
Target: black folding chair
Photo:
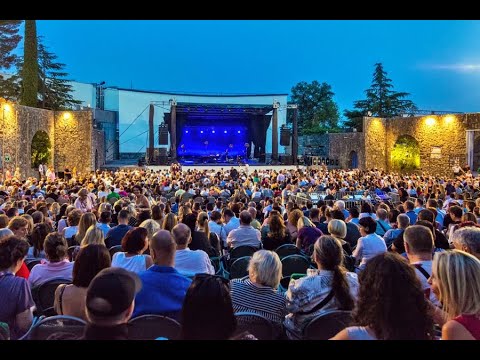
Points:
(327, 325)
(295, 264)
(286, 250)
(114, 249)
(151, 327)
(32, 262)
(257, 325)
(62, 325)
(239, 268)
(44, 296)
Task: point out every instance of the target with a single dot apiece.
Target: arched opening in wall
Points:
(405, 155)
(96, 160)
(41, 149)
(353, 160)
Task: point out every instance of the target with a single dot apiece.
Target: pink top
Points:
(42, 273)
(471, 323)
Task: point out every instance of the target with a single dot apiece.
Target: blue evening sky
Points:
(438, 62)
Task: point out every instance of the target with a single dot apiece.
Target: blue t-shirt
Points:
(15, 298)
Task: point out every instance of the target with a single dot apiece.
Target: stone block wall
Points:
(98, 149)
(342, 145)
(375, 130)
(73, 140)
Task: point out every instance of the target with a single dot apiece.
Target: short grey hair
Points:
(382, 214)
(265, 268)
(403, 220)
(340, 204)
(469, 237)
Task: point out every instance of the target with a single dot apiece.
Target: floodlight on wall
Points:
(369, 113)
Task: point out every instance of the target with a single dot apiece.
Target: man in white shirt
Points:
(230, 220)
(245, 234)
(189, 262)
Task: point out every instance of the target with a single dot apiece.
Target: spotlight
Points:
(201, 132)
(213, 131)
(186, 131)
(225, 131)
(238, 131)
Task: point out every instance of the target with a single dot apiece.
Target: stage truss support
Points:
(151, 135)
(173, 129)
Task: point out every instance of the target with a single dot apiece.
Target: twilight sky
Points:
(438, 62)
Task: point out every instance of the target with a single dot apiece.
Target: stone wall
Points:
(342, 145)
(98, 149)
(446, 132)
(73, 140)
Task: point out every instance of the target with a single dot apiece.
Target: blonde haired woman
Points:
(292, 223)
(87, 220)
(258, 293)
(93, 236)
(169, 222)
(308, 234)
(152, 227)
(338, 229)
(455, 280)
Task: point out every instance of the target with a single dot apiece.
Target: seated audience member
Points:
(73, 220)
(441, 241)
(199, 238)
(467, 239)
(110, 303)
(115, 235)
(258, 293)
(277, 234)
(353, 232)
(307, 235)
(164, 288)
(39, 233)
(455, 281)
(330, 287)
(70, 299)
(58, 265)
(338, 229)
(403, 221)
(16, 300)
(169, 221)
(419, 249)
(245, 234)
(370, 244)
(104, 222)
(132, 258)
(391, 303)
(189, 262)
(382, 222)
(207, 312)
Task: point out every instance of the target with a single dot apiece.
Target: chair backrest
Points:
(286, 250)
(114, 249)
(257, 325)
(242, 250)
(4, 331)
(32, 262)
(57, 324)
(239, 267)
(70, 252)
(44, 295)
(327, 325)
(295, 264)
(150, 327)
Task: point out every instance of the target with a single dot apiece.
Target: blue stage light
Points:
(186, 131)
(238, 131)
(225, 132)
(213, 131)
(201, 132)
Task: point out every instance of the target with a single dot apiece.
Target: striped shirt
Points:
(259, 299)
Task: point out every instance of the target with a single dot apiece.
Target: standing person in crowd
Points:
(85, 202)
(110, 303)
(16, 299)
(391, 303)
(455, 281)
(70, 299)
(330, 287)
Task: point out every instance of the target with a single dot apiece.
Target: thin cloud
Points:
(454, 67)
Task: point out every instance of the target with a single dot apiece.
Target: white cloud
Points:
(454, 67)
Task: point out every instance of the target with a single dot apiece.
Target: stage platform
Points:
(213, 167)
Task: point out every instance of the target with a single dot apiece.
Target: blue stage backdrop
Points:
(212, 140)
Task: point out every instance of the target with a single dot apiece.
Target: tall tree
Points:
(9, 40)
(29, 95)
(381, 101)
(55, 90)
(316, 107)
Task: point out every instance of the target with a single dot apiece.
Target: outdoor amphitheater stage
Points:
(211, 167)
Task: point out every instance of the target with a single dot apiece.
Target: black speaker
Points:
(162, 134)
(284, 136)
(286, 159)
(163, 160)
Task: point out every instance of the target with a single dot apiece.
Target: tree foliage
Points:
(29, 96)
(381, 100)
(55, 90)
(405, 155)
(316, 108)
(9, 40)
(41, 147)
